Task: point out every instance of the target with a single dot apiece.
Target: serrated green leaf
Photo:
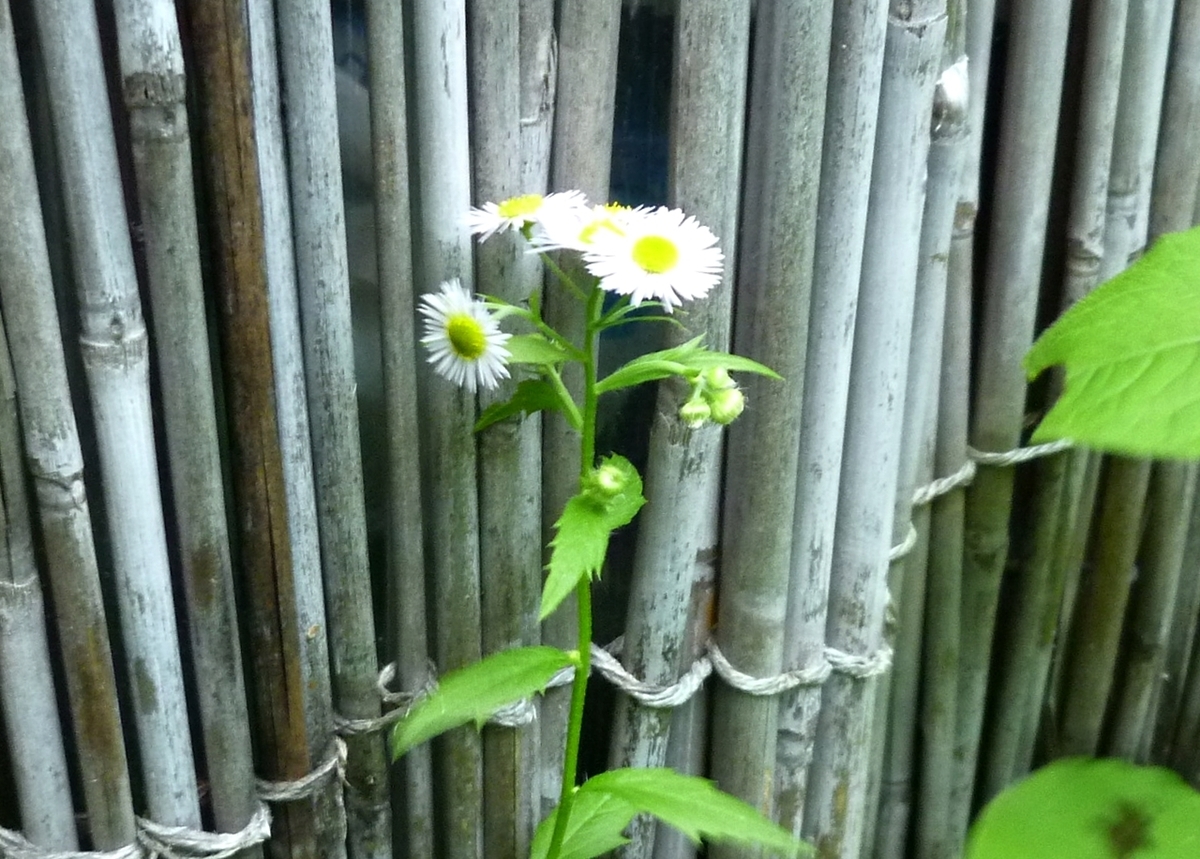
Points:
(595, 827)
(1131, 350)
(695, 807)
(535, 349)
(581, 535)
(1080, 808)
(473, 693)
(690, 356)
(531, 395)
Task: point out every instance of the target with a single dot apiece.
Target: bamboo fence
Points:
(243, 523)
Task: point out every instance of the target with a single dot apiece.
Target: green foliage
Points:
(535, 349)
(531, 395)
(473, 693)
(1132, 354)
(1080, 808)
(606, 804)
(581, 537)
(685, 360)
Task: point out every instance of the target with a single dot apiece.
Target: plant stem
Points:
(583, 592)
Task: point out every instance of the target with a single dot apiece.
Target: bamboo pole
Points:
(291, 415)
(581, 155)
(1184, 623)
(1025, 658)
(539, 80)
(1143, 79)
(679, 527)
(220, 34)
(839, 779)
(318, 220)
(154, 89)
(115, 348)
(27, 697)
(442, 198)
(406, 607)
(1185, 750)
(1169, 509)
(56, 466)
(509, 452)
(783, 163)
(1028, 133)
(1176, 168)
(852, 102)
(1100, 612)
(934, 445)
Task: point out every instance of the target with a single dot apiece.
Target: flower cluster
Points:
(715, 397)
(643, 254)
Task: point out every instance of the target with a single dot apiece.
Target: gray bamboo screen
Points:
(241, 525)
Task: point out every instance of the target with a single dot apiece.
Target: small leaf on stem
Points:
(581, 537)
(474, 693)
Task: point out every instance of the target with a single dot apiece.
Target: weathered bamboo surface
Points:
(296, 528)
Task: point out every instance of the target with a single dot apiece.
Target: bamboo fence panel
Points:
(1106, 662)
(852, 103)
(407, 633)
(55, 462)
(509, 452)
(771, 301)
(581, 144)
(115, 348)
(154, 87)
(669, 610)
(221, 39)
(291, 412)
(443, 250)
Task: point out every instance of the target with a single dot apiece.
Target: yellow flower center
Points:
(520, 207)
(655, 254)
(466, 336)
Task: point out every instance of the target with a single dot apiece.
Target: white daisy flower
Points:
(516, 213)
(656, 255)
(465, 342)
(576, 227)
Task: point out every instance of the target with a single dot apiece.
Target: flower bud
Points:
(695, 413)
(725, 405)
(605, 482)
(717, 379)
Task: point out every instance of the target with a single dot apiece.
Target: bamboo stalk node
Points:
(155, 841)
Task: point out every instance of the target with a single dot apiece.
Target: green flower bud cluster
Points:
(715, 397)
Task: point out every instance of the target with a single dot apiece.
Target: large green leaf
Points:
(474, 693)
(1132, 354)
(581, 538)
(695, 807)
(596, 825)
(678, 361)
(531, 395)
(606, 803)
(1091, 809)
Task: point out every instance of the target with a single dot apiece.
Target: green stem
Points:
(583, 591)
